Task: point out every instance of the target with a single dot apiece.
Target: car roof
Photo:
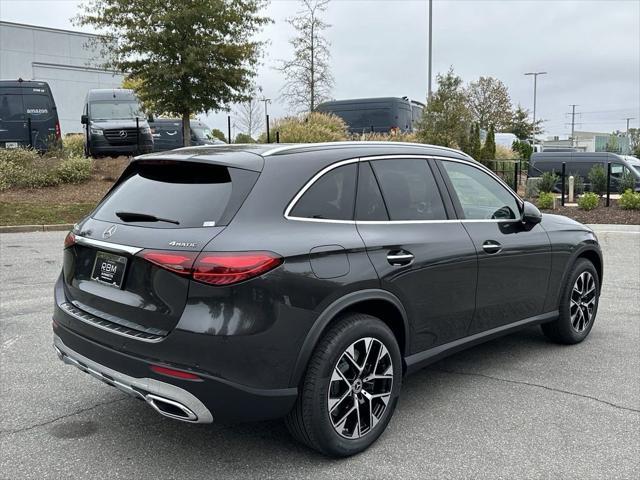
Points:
(542, 156)
(253, 156)
(23, 83)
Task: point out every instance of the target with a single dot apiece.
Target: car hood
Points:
(560, 222)
(115, 124)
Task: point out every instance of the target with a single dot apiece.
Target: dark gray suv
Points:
(230, 283)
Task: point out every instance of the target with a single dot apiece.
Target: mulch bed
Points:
(611, 215)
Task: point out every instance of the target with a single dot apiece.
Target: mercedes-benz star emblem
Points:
(109, 231)
(123, 134)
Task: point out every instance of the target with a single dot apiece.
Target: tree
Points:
(634, 141)
(244, 138)
(249, 115)
(489, 103)
(476, 143)
(219, 134)
(186, 55)
(613, 145)
(522, 148)
(308, 79)
(521, 126)
(446, 118)
(488, 151)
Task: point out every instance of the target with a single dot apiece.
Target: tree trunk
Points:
(186, 130)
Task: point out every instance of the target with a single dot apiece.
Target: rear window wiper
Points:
(143, 217)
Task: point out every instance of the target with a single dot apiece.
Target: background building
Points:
(64, 59)
(593, 142)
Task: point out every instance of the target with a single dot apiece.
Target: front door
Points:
(420, 252)
(514, 261)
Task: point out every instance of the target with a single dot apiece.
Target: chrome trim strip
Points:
(116, 329)
(114, 247)
(139, 387)
(479, 166)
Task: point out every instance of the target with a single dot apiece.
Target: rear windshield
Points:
(191, 194)
(11, 107)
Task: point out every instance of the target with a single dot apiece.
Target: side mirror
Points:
(150, 118)
(84, 119)
(530, 214)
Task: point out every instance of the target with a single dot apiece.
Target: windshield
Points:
(113, 110)
(202, 133)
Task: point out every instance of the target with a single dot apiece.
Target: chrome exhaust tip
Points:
(171, 408)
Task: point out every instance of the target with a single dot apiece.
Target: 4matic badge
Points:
(173, 243)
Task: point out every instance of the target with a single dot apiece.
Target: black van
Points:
(581, 163)
(28, 115)
(383, 115)
(115, 124)
(167, 134)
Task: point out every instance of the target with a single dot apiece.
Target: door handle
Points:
(399, 258)
(491, 246)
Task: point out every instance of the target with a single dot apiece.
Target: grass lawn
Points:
(14, 213)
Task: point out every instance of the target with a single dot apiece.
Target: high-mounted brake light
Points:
(69, 240)
(170, 372)
(233, 267)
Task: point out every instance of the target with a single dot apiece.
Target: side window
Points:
(617, 170)
(369, 204)
(480, 195)
(330, 197)
(410, 192)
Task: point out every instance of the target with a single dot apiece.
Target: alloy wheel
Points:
(360, 388)
(583, 302)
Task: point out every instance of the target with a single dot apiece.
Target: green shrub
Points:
(243, 138)
(588, 201)
(627, 182)
(629, 200)
(598, 179)
(546, 200)
(74, 170)
(73, 145)
(218, 134)
(548, 181)
(310, 128)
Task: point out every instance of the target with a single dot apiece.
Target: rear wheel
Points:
(578, 305)
(350, 389)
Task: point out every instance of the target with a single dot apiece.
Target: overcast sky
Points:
(591, 49)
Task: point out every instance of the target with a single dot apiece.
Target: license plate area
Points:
(11, 145)
(109, 269)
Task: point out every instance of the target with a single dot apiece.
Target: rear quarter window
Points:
(192, 194)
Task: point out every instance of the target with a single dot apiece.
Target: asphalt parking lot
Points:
(517, 407)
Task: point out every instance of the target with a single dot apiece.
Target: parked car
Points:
(115, 124)
(28, 115)
(581, 163)
(305, 281)
(383, 115)
(167, 134)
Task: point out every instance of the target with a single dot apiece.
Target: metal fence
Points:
(513, 172)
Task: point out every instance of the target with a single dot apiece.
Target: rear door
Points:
(13, 127)
(39, 107)
(167, 136)
(514, 262)
(421, 254)
(130, 270)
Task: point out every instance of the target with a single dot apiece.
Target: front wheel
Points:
(350, 389)
(578, 305)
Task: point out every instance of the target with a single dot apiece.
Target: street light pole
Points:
(535, 88)
(429, 92)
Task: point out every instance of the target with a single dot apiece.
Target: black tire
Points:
(564, 329)
(309, 421)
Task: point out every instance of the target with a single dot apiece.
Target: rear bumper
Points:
(206, 398)
(168, 400)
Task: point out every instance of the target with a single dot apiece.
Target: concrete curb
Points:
(35, 228)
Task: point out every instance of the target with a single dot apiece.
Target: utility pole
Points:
(628, 119)
(429, 92)
(573, 123)
(535, 88)
(266, 113)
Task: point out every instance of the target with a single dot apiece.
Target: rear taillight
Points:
(233, 267)
(224, 268)
(177, 262)
(69, 240)
(58, 133)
